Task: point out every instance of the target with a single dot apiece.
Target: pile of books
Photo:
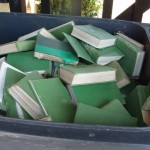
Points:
(75, 74)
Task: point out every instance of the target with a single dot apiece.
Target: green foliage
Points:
(91, 7)
(63, 7)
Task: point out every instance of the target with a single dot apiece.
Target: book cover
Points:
(57, 105)
(54, 50)
(26, 62)
(91, 115)
(135, 101)
(95, 94)
(3, 69)
(13, 109)
(105, 55)
(116, 106)
(64, 28)
(86, 74)
(122, 78)
(134, 56)
(23, 94)
(94, 36)
(79, 48)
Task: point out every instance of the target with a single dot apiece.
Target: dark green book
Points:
(54, 99)
(23, 94)
(79, 48)
(26, 62)
(64, 28)
(86, 114)
(94, 36)
(105, 55)
(86, 74)
(54, 50)
(135, 101)
(95, 94)
(134, 56)
(13, 109)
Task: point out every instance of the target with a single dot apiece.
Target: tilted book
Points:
(91, 115)
(56, 31)
(95, 94)
(135, 101)
(23, 94)
(134, 56)
(13, 109)
(3, 69)
(17, 46)
(26, 62)
(54, 50)
(136, 43)
(54, 99)
(64, 28)
(122, 78)
(79, 48)
(94, 36)
(86, 74)
(105, 55)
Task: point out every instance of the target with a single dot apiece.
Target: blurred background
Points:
(132, 10)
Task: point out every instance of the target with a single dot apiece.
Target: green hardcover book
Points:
(122, 78)
(33, 35)
(134, 56)
(86, 74)
(26, 62)
(58, 31)
(23, 94)
(54, 99)
(115, 106)
(13, 109)
(91, 115)
(79, 48)
(135, 101)
(105, 55)
(54, 50)
(95, 94)
(17, 46)
(94, 36)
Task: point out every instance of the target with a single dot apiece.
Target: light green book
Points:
(64, 28)
(135, 101)
(86, 74)
(86, 114)
(122, 78)
(115, 106)
(17, 46)
(26, 62)
(54, 99)
(54, 50)
(94, 36)
(23, 94)
(13, 109)
(95, 94)
(134, 56)
(105, 55)
(79, 48)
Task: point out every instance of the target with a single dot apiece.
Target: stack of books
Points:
(75, 74)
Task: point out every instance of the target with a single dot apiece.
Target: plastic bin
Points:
(72, 136)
